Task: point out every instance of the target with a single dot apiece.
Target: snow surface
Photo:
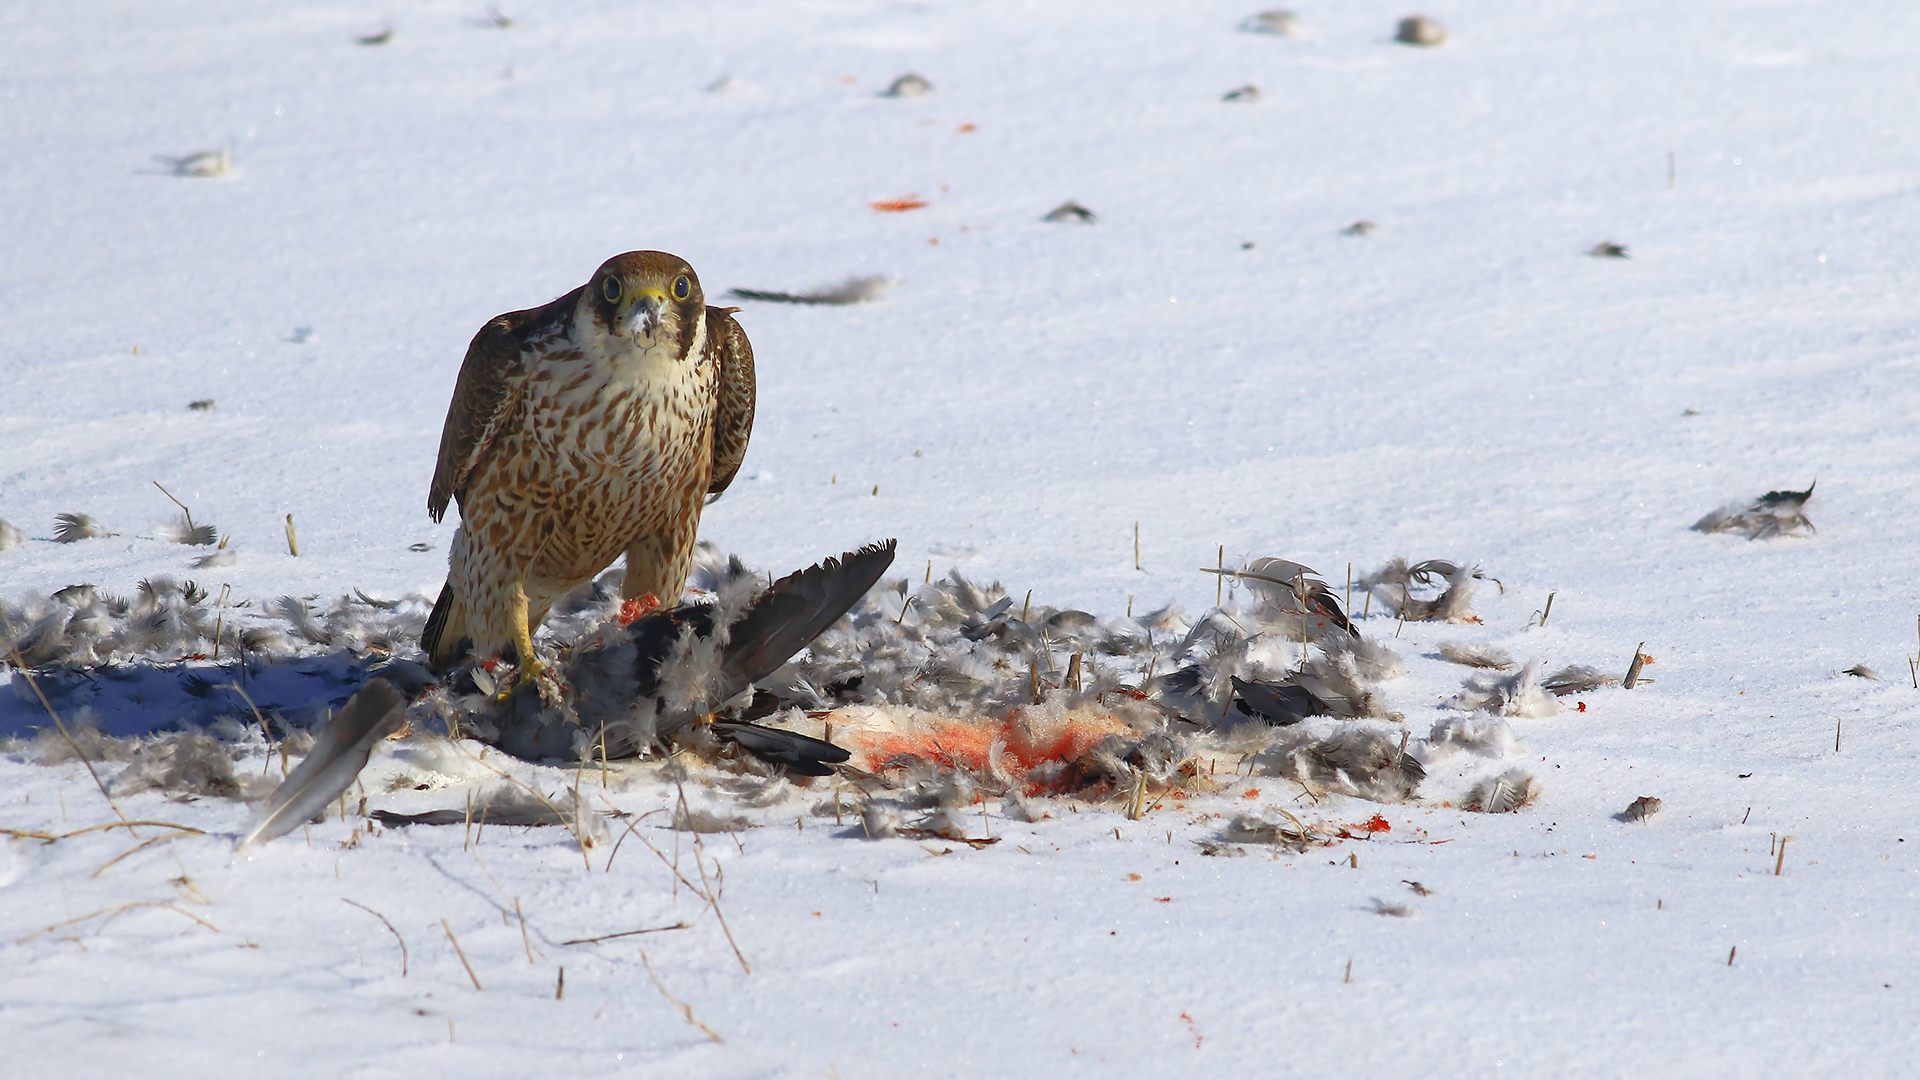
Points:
(1465, 383)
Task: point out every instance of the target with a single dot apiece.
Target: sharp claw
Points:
(529, 673)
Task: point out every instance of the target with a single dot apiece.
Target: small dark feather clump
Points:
(1777, 513)
(854, 290)
(1640, 809)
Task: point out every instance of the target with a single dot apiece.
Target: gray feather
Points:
(339, 752)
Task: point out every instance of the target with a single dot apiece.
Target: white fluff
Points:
(1481, 656)
(1505, 793)
(1478, 732)
(1519, 694)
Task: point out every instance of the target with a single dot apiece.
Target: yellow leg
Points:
(530, 666)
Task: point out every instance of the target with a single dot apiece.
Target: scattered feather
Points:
(1246, 95)
(879, 820)
(1418, 889)
(695, 820)
(1480, 656)
(854, 290)
(202, 405)
(69, 528)
(1398, 911)
(1400, 583)
(295, 612)
(185, 766)
(1255, 829)
(1072, 212)
(907, 86)
(1640, 809)
(203, 163)
(1363, 227)
(1479, 733)
(10, 536)
(1576, 679)
(1421, 31)
(184, 531)
(339, 752)
(1858, 670)
(728, 84)
(1519, 694)
(1504, 794)
(1278, 22)
(223, 557)
(1607, 249)
(380, 38)
(1777, 513)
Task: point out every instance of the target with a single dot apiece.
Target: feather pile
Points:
(920, 700)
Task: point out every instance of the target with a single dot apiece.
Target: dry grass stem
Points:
(524, 938)
(112, 912)
(685, 1009)
(461, 953)
(143, 845)
(682, 925)
(390, 930)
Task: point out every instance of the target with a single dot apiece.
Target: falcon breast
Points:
(589, 427)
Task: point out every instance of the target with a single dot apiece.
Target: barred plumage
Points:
(591, 426)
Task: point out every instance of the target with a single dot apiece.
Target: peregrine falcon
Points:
(590, 426)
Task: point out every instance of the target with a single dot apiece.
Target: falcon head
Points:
(646, 297)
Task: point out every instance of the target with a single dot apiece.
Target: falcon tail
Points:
(445, 638)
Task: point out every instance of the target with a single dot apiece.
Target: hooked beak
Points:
(644, 319)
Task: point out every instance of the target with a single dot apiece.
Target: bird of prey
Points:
(591, 426)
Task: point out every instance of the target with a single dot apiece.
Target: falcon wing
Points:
(733, 413)
(493, 379)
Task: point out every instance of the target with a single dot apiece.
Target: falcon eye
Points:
(611, 290)
(682, 288)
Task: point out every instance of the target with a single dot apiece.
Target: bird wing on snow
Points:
(688, 660)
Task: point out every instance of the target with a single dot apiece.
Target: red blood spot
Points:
(1250, 793)
(638, 608)
(1133, 877)
(1163, 899)
(1582, 707)
(965, 128)
(899, 206)
(1376, 823)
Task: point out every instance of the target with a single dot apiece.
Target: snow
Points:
(1464, 383)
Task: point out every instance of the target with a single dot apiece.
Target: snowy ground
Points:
(1213, 360)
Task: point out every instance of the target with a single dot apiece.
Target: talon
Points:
(529, 672)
